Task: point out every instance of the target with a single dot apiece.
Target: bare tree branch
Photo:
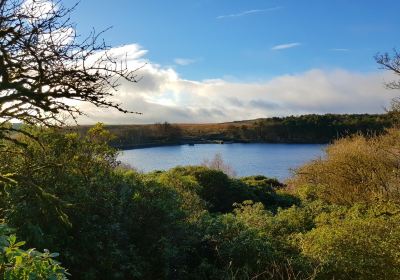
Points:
(390, 62)
(44, 65)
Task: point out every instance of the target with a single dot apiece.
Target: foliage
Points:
(72, 198)
(16, 263)
(71, 195)
(319, 128)
(356, 169)
(338, 218)
(355, 229)
(235, 248)
(217, 190)
(220, 192)
(270, 192)
(243, 245)
(292, 129)
(355, 244)
(188, 189)
(64, 187)
(142, 135)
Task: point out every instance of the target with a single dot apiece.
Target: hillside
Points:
(293, 129)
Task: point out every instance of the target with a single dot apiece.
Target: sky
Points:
(225, 60)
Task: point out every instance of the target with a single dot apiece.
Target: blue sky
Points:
(224, 60)
(330, 34)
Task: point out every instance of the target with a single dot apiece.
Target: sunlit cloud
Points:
(285, 46)
(249, 12)
(163, 95)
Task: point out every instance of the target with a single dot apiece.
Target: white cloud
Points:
(340, 50)
(285, 46)
(162, 95)
(184, 61)
(38, 9)
(249, 12)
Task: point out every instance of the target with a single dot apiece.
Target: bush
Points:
(217, 190)
(66, 197)
(16, 263)
(69, 194)
(354, 170)
(355, 244)
(270, 192)
(220, 192)
(235, 249)
(243, 245)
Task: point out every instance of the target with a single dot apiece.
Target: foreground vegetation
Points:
(293, 129)
(338, 218)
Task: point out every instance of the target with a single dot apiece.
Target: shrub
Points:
(355, 244)
(217, 190)
(69, 197)
(16, 263)
(270, 192)
(354, 170)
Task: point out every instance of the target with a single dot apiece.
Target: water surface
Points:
(273, 160)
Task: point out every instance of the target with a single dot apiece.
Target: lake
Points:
(272, 160)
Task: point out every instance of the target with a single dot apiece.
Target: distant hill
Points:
(294, 129)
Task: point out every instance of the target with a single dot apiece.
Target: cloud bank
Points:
(162, 95)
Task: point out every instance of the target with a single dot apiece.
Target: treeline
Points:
(131, 136)
(312, 128)
(337, 218)
(294, 129)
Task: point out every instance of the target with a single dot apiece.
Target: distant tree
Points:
(45, 66)
(167, 131)
(218, 163)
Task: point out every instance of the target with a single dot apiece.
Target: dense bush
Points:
(338, 218)
(70, 197)
(66, 198)
(356, 169)
(270, 192)
(355, 243)
(16, 263)
(220, 191)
